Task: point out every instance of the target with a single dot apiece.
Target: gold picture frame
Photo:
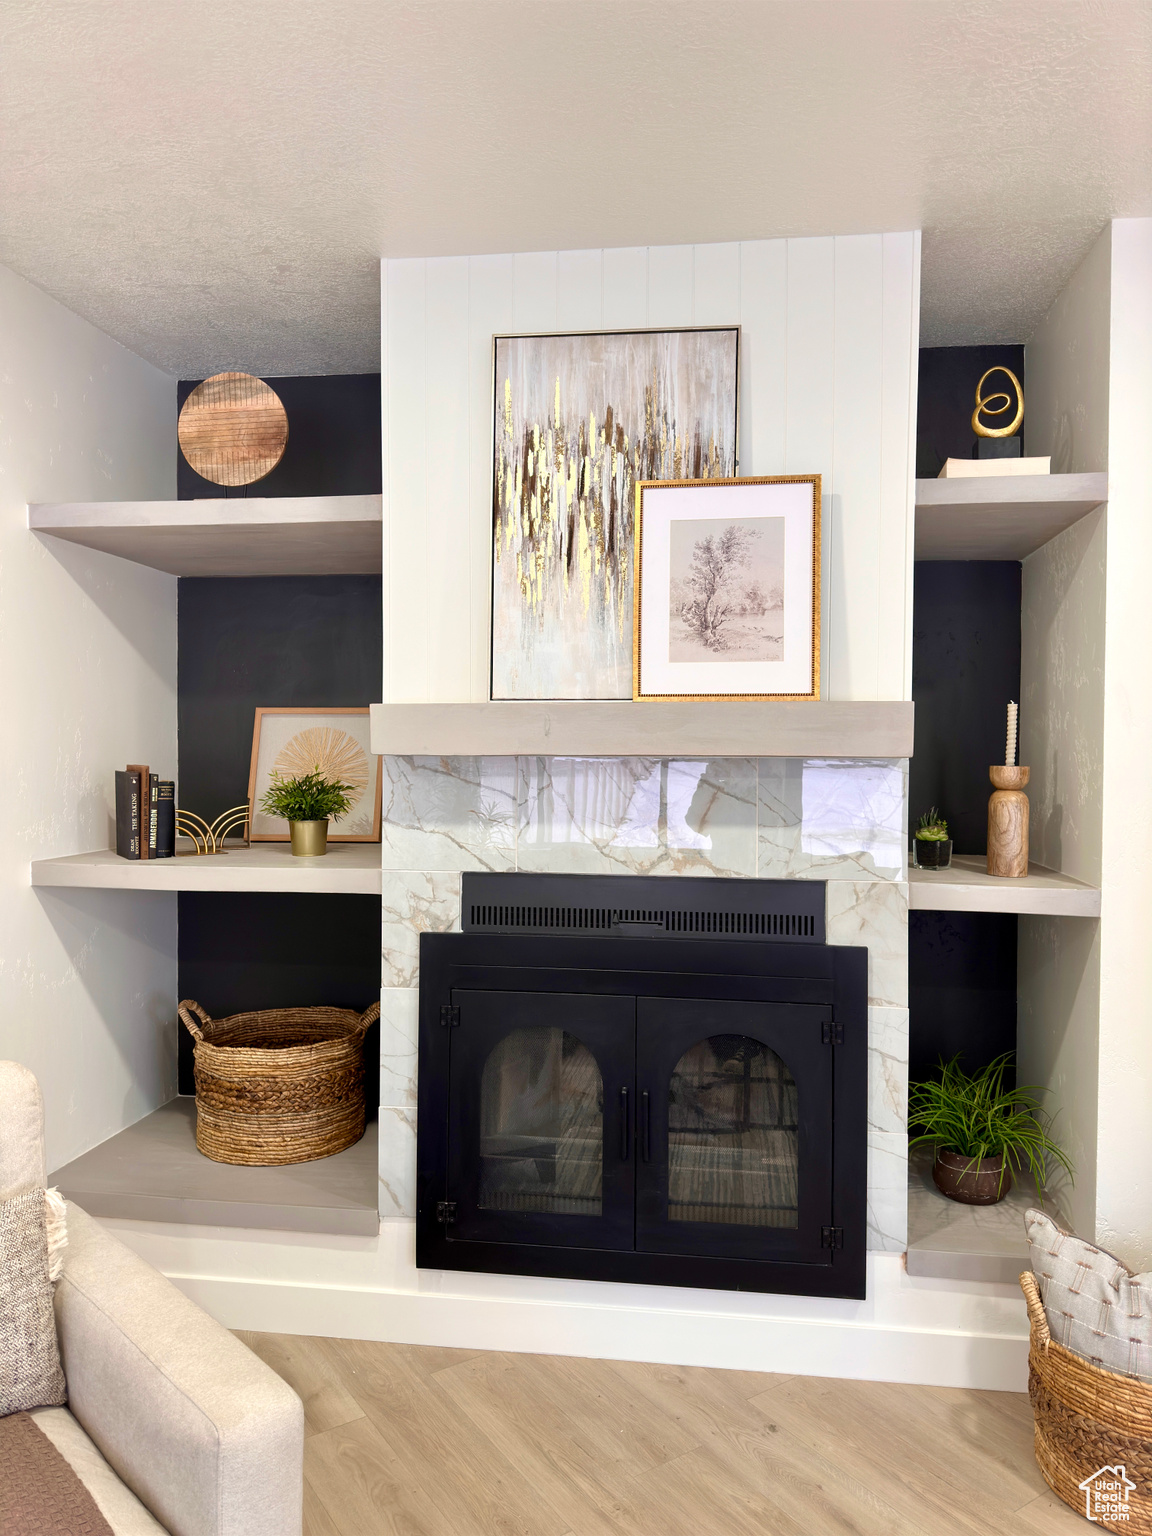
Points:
(681, 636)
(281, 742)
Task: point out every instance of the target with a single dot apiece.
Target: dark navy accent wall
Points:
(268, 640)
(333, 441)
(946, 399)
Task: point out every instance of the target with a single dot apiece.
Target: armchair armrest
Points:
(203, 1432)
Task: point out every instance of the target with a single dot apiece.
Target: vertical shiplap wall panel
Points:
(901, 341)
(854, 585)
(446, 394)
(809, 438)
(715, 284)
(828, 336)
(580, 291)
(534, 291)
(763, 356)
(670, 285)
(490, 313)
(406, 665)
(625, 287)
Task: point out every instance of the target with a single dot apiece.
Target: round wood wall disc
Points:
(233, 429)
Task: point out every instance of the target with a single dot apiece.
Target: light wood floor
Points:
(406, 1441)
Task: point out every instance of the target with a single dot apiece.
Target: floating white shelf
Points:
(1002, 517)
(968, 887)
(234, 536)
(153, 1172)
(949, 1241)
(607, 729)
(346, 869)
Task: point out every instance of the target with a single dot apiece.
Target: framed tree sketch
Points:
(331, 741)
(579, 421)
(728, 589)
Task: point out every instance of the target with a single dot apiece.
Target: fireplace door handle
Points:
(625, 1139)
(646, 1126)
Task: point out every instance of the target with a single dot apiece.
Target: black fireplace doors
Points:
(642, 1109)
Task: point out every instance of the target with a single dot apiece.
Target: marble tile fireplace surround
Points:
(843, 821)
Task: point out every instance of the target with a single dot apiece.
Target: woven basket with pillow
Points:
(1090, 1376)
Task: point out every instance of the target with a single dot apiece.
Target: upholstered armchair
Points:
(171, 1423)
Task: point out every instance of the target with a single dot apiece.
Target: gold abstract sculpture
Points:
(990, 408)
(210, 838)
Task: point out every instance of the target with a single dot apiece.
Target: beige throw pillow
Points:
(1094, 1304)
(30, 1373)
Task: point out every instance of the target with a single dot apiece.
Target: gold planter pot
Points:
(309, 838)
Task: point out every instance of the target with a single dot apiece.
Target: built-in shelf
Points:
(968, 887)
(609, 729)
(346, 869)
(153, 1172)
(950, 1241)
(227, 536)
(1001, 517)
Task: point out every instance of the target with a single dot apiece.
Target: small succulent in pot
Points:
(982, 1131)
(306, 803)
(932, 847)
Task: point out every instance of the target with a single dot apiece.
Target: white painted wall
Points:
(1124, 1156)
(88, 682)
(1087, 725)
(828, 341)
(1062, 741)
(1062, 634)
(1067, 366)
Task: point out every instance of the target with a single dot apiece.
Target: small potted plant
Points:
(982, 1131)
(932, 847)
(307, 803)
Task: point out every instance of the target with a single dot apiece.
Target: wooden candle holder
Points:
(1008, 823)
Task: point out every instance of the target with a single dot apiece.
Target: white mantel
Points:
(552, 728)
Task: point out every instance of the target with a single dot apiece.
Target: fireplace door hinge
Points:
(831, 1237)
(446, 1212)
(833, 1034)
(450, 1015)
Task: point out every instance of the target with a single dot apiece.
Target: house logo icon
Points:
(1106, 1495)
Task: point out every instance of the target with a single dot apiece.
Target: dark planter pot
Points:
(971, 1183)
(928, 854)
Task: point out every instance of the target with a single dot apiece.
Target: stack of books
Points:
(145, 814)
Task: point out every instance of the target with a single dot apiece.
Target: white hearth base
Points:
(935, 1332)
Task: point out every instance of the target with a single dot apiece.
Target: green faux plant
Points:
(311, 797)
(932, 828)
(977, 1116)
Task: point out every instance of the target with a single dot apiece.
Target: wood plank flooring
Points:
(408, 1441)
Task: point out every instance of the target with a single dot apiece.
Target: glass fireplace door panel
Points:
(735, 1116)
(540, 1115)
(733, 1135)
(542, 1125)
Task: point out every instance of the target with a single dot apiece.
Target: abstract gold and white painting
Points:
(330, 741)
(580, 420)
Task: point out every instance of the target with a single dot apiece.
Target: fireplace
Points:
(657, 1080)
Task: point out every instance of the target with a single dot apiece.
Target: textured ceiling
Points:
(213, 184)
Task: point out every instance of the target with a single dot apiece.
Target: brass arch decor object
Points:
(209, 837)
(989, 408)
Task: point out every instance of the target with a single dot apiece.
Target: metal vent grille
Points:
(790, 910)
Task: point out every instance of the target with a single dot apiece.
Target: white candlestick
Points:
(1010, 748)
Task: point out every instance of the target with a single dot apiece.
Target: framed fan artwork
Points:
(290, 742)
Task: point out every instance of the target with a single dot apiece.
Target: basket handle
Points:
(368, 1018)
(1036, 1314)
(186, 1010)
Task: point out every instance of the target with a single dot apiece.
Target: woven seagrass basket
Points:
(285, 1085)
(1087, 1419)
